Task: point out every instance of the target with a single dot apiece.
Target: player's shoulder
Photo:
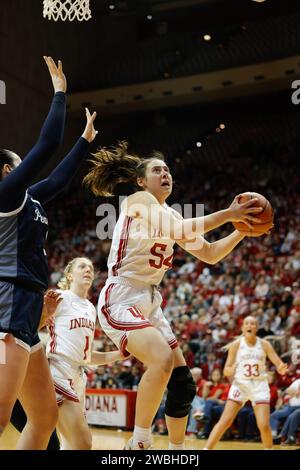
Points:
(173, 211)
(236, 344)
(135, 203)
(63, 293)
(264, 343)
(91, 305)
(66, 296)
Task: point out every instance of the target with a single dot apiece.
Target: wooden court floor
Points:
(104, 439)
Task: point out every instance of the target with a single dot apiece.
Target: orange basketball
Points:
(266, 216)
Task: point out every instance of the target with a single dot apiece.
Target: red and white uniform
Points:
(69, 346)
(130, 299)
(250, 379)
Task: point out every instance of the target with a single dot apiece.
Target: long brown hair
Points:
(115, 165)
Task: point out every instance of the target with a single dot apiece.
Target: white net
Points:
(67, 10)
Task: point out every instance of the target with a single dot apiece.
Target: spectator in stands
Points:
(198, 402)
(215, 393)
(262, 288)
(293, 393)
(290, 428)
(210, 362)
(266, 330)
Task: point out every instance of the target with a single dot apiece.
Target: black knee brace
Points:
(181, 391)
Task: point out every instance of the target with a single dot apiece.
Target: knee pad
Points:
(181, 391)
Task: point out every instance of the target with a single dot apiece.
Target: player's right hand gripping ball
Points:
(266, 216)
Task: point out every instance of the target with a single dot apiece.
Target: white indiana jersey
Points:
(136, 256)
(251, 361)
(72, 335)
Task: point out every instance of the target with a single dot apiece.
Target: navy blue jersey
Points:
(24, 227)
(23, 233)
(23, 221)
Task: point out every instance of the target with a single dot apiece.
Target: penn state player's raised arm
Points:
(62, 175)
(20, 174)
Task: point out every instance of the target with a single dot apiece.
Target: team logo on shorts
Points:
(136, 312)
(236, 394)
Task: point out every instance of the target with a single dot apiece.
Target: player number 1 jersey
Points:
(72, 335)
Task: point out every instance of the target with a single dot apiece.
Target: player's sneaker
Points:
(140, 445)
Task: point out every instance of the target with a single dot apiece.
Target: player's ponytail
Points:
(114, 166)
(111, 167)
(228, 345)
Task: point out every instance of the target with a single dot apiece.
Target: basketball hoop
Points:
(67, 10)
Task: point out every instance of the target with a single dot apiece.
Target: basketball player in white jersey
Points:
(246, 363)
(69, 349)
(141, 252)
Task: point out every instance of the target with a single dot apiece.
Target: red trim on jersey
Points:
(173, 343)
(123, 344)
(126, 240)
(127, 326)
(53, 340)
(122, 244)
(62, 391)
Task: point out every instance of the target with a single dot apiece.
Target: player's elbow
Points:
(207, 254)
(212, 260)
(57, 183)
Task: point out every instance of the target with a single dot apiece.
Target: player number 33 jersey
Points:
(250, 361)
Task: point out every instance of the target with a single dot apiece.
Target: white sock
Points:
(141, 434)
(176, 446)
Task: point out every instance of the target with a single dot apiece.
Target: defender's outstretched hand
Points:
(89, 132)
(57, 75)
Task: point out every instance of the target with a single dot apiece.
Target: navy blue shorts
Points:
(20, 313)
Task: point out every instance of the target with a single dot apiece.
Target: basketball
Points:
(266, 216)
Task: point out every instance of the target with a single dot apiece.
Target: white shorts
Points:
(257, 391)
(69, 381)
(123, 308)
